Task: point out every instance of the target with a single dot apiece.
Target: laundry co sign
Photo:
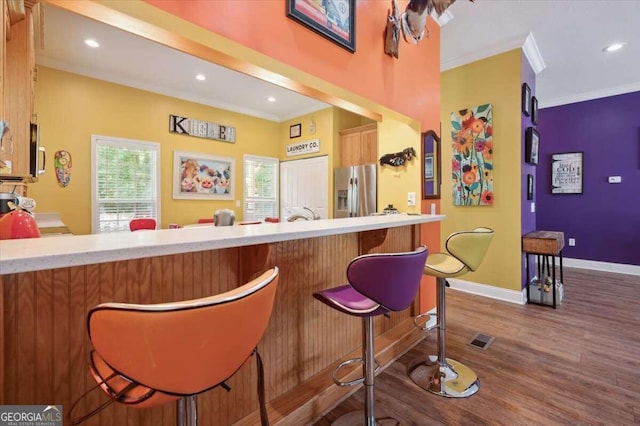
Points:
(305, 147)
(201, 129)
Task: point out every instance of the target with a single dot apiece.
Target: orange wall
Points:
(409, 84)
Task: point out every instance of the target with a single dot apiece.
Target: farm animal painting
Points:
(201, 176)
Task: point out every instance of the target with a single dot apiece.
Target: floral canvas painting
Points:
(472, 156)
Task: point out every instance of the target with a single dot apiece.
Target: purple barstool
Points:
(378, 284)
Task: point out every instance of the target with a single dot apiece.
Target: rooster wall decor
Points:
(399, 158)
(412, 22)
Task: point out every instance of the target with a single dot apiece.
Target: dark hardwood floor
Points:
(576, 365)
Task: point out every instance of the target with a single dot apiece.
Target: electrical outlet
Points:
(572, 242)
(411, 199)
(237, 203)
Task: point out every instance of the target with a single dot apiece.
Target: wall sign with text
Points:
(201, 129)
(305, 147)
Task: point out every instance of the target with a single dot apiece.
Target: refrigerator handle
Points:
(350, 198)
(355, 197)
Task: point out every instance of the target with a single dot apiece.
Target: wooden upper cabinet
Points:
(18, 91)
(359, 145)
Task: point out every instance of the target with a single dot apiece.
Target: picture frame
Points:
(198, 176)
(531, 146)
(530, 187)
(534, 110)
(295, 131)
(335, 21)
(526, 99)
(567, 172)
(430, 165)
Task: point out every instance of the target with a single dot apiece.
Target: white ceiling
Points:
(570, 36)
(130, 60)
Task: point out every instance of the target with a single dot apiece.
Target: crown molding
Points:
(531, 52)
(589, 96)
(514, 43)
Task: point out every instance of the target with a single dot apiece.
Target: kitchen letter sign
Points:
(201, 129)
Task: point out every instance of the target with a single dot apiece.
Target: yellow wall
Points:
(71, 108)
(495, 80)
(94, 107)
(395, 182)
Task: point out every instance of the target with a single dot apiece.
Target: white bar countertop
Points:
(34, 254)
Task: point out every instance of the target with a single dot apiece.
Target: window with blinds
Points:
(125, 179)
(260, 187)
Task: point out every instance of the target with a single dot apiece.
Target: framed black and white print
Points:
(295, 131)
(534, 110)
(526, 99)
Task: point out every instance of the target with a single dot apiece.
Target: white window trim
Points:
(244, 184)
(95, 142)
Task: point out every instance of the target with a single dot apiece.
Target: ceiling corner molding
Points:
(16, 11)
(589, 96)
(530, 49)
(514, 43)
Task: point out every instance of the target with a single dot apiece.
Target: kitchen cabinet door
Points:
(18, 93)
(359, 145)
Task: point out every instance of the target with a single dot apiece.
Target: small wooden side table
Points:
(544, 243)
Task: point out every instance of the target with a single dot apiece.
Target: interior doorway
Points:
(304, 183)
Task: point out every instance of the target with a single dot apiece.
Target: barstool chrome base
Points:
(453, 379)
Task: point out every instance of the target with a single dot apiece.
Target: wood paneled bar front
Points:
(49, 284)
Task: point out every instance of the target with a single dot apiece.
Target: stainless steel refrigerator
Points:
(356, 190)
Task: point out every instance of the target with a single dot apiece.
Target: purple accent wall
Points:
(528, 219)
(605, 218)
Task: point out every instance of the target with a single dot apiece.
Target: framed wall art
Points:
(526, 99)
(430, 165)
(531, 146)
(529, 187)
(295, 131)
(566, 173)
(333, 19)
(534, 110)
(472, 162)
(199, 176)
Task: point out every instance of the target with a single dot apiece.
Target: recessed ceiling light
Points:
(613, 47)
(91, 43)
(201, 77)
(271, 99)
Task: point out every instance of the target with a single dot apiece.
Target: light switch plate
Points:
(411, 199)
(533, 207)
(615, 179)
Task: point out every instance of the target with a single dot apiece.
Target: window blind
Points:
(126, 183)
(260, 187)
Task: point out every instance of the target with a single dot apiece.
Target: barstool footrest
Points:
(354, 381)
(424, 326)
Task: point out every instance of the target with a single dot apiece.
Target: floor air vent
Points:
(481, 341)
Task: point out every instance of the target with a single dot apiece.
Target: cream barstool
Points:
(438, 374)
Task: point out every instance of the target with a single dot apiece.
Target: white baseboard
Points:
(619, 268)
(512, 296)
(520, 297)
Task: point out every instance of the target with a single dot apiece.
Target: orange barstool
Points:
(143, 357)
(142, 223)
